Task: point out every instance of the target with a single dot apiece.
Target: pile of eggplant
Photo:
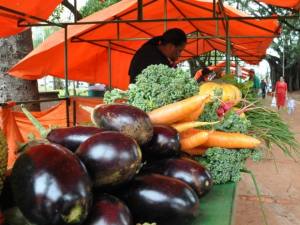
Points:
(123, 172)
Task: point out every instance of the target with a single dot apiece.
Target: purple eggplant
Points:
(111, 158)
(165, 143)
(72, 137)
(109, 210)
(126, 119)
(160, 199)
(51, 186)
(186, 170)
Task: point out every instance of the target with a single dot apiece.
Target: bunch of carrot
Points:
(182, 116)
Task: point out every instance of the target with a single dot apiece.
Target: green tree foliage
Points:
(287, 44)
(95, 5)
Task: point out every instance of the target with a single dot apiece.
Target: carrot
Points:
(195, 115)
(195, 151)
(180, 127)
(230, 140)
(192, 138)
(174, 112)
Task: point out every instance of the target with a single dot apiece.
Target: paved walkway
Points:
(280, 188)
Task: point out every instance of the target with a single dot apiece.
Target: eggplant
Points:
(126, 119)
(109, 210)
(51, 186)
(72, 137)
(165, 143)
(186, 170)
(110, 157)
(160, 199)
(1, 218)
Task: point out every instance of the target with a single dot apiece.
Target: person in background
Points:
(202, 75)
(263, 86)
(281, 92)
(165, 49)
(256, 81)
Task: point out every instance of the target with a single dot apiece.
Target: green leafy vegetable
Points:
(232, 122)
(225, 165)
(156, 86)
(268, 125)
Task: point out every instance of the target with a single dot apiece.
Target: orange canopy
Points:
(9, 20)
(88, 61)
(220, 67)
(294, 4)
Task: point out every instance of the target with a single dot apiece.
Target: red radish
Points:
(220, 111)
(227, 106)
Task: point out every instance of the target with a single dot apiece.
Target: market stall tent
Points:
(117, 34)
(13, 12)
(219, 69)
(293, 4)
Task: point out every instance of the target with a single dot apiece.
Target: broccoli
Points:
(156, 86)
(225, 164)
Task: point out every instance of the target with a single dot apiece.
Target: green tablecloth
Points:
(216, 208)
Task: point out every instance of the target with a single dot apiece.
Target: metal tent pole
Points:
(140, 10)
(109, 65)
(66, 61)
(75, 13)
(165, 15)
(66, 74)
(227, 48)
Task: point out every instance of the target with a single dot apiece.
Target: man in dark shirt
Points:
(164, 49)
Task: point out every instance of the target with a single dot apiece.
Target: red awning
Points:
(219, 68)
(293, 4)
(9, 20)
(89, 61)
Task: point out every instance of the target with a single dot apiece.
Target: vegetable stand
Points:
(217, 207)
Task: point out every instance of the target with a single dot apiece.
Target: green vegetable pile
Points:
(272, 130)
(156, 86)
(231, 122)
(225, 165)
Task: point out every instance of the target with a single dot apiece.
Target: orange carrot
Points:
(192, 138)
(180, 127)
(230, 140)
(174, 112)
(195, 151)
(195, 115)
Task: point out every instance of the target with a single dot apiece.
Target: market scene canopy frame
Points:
(13, 13)
(100, 47)
(293, 4)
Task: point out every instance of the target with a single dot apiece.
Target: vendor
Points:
(164, 49)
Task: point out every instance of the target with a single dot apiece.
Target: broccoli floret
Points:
(156, 86)
(225, 164)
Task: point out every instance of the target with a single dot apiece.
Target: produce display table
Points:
(217, 207)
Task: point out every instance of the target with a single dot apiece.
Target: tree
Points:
(286, 47)
(13, 49)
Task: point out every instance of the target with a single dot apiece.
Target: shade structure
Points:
(118, 38)
(219, 69)
(293, 4)
(14, 11)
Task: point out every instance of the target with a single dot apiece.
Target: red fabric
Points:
(38, 8)
(16, 127)
(281, 89)
(89, 62)
(295, 4)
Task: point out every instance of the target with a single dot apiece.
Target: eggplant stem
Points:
(89, 109)
(41, 129)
